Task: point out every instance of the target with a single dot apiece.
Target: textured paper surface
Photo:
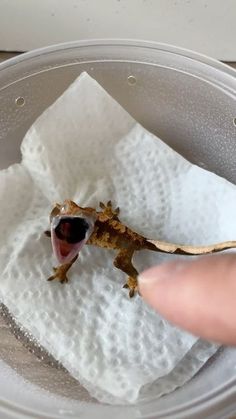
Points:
(87, 148)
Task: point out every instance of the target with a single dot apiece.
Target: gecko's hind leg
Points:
(123, 261)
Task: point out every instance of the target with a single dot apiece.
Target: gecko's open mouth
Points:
(68, 236)
(71, 229)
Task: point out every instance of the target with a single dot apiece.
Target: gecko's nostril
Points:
(71, 229)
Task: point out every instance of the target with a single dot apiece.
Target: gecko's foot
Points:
(61, 271)
(132, 285)
(59, 274)
(108, 211)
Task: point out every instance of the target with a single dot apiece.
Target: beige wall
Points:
(207, 26)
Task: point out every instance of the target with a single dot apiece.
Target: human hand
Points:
(199, 295)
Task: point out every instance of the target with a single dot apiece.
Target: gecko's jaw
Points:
(68, 234)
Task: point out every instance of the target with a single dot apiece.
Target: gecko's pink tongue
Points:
(65, 248)
(64, 251)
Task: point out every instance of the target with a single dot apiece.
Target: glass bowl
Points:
(189, 101)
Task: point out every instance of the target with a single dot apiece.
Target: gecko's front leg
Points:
(61, 271)
(123, 261)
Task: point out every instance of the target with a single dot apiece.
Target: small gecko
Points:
(72, 226)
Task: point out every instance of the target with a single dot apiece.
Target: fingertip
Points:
(153, 281)
(197, 295)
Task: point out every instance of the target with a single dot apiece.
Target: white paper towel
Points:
(87, 148)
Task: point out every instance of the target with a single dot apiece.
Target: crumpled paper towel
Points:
(87, 148)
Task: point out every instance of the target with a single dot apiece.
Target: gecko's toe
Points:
(51, 278)
(117, 211)
(65, 280)
(60, 275)
(47, 233)
(132, 285)
(131, 293)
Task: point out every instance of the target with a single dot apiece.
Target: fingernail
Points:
(163, 272)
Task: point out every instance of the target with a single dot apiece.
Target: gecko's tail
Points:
(179, 249)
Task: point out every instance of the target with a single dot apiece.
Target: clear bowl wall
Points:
(189, 101)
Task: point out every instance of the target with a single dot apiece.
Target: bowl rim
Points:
(188, 53)
(213, 399)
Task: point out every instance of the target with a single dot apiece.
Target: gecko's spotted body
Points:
(73, 226)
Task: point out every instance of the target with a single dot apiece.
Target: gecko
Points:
(72, 226)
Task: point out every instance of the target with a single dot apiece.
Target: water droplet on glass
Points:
(20, 101)
(131, 80)
(234, 121)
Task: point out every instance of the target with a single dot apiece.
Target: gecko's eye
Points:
(71, 229)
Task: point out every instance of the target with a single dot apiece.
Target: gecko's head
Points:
(71, 227)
